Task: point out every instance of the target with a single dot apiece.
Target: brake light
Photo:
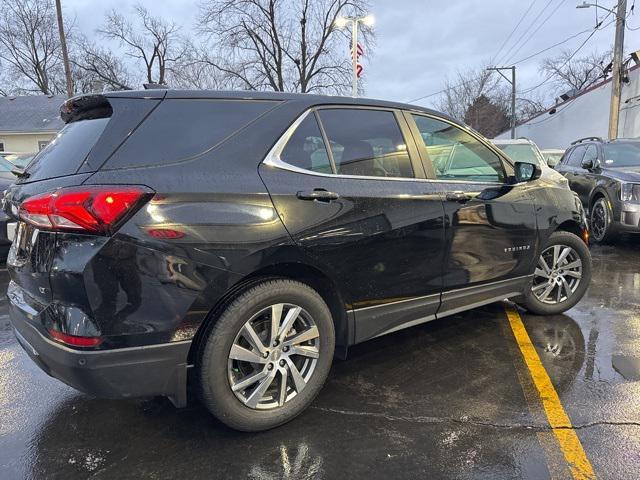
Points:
(87, 209)
(74, 340)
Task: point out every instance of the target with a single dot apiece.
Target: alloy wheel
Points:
(273, 356)
(557, 275)
(598, 221)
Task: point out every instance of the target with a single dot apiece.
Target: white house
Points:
(28, 123)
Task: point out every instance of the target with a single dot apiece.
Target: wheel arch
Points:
(301, 272)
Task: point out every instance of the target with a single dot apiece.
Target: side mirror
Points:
(587, 164)
(527, 172)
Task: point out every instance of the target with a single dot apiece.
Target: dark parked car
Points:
(252, 236)
(7, 225)
(606, 177)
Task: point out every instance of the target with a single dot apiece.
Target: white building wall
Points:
(24, 142)
(585, 116)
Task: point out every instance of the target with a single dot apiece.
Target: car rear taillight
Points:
(74, 340)
(91, 209)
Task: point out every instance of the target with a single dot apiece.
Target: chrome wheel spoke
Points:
(546, 292)
(244, 355)
(563, 256)
(298, 381)
(276, 315)
(575, 264)
(305, 336)
(567, 287)
(249, 380)
(544, 265)
(283, 389)
(258, 393)
(541, 273)
(253, 338)
(540, 286)
(288, 321)
(573, 273)
(311, 352)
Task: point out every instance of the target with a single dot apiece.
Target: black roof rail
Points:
(597, 139)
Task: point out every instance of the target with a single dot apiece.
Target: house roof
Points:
(31, 114)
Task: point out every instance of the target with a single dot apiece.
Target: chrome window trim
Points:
(273, 160)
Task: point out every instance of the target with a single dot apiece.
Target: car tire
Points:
(600, 221)
(564, 274)
(224, 367)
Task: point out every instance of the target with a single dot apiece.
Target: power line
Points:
(535, 31)
(506, 55)
(514, 29)
(552, 46)
(572, 55)
(466, 82)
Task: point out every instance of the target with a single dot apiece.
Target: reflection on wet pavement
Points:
(438, 400)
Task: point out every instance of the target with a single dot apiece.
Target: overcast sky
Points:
(421, 42)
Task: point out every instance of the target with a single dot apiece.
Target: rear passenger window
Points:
(306, 149)
(366, 142)
(179, 129)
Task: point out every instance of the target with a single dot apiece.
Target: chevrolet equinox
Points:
(236, 242)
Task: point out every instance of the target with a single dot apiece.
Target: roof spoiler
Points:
(85, 107)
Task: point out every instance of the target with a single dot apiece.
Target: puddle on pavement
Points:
(628, 367)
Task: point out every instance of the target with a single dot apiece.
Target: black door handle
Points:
(318, 194)
(458, 197)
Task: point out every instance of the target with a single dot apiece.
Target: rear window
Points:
(66, 152)
(180, 129)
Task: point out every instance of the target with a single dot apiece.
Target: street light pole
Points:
(342, 22)
(354, 56)
(513, 93)
(65, 53)
(618, 52)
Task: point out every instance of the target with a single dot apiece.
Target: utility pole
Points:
(616, 80)
(65, 53)
(513, 93)
(618, 52)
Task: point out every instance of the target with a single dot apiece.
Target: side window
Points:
(366, 142)
(590, 154)
(306, 149)
(575, 157)
(456, 155)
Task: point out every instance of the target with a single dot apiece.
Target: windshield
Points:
(622, 154)
(521, 153)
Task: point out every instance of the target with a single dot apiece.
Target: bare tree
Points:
(461, 91)
(282, 45)
(30, 46)
(568, 73)
(93, 63)
(151, 40)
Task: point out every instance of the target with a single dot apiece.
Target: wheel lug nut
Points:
(285, 349)
(265, 355)
(282, 363)
(270, 366)
(276, 343)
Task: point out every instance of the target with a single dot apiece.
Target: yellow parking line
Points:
(558, 419)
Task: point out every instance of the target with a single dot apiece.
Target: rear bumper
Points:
(118, 373)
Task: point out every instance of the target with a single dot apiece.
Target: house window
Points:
(42, 144)
(1, 146)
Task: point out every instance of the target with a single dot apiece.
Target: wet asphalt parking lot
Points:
(460, 397)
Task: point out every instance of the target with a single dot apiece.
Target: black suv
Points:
(252, 236)
(606, 177)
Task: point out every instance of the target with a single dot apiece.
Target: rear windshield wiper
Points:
(20, 173)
